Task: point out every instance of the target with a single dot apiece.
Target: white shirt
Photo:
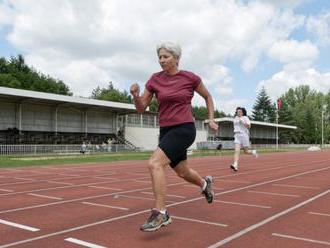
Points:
(239, 124)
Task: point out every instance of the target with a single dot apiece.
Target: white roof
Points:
(62, 98)
(230, 119)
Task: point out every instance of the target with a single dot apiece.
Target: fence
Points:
(60, 149)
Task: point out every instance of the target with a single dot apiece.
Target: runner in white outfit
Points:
(242, 125)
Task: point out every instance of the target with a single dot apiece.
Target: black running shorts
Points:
(175, 140)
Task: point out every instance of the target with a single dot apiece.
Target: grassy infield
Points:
(20, 161)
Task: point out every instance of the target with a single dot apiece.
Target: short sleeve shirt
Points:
(174, 94)
(239, 124)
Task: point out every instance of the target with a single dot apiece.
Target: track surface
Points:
(277, 200)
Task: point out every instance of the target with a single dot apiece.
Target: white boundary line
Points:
(233, 181)
(199, 221)
(100, 187)
(302, 239)
(102, 205)
(177, 196)
(265, 221)
(28, 228)
(7, 190)
(243, 204)
(174, 204)
(83, 243)
(149, 188)
(46, 196)
(295, 186)
(321, 214)
(270, 193)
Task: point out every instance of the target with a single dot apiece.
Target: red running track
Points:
(277, 200)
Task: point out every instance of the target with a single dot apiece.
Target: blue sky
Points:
(236, 46)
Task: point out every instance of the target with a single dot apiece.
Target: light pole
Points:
(322, 123)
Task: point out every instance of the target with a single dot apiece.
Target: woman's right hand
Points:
(135, 90)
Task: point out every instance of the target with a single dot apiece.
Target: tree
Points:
(14, 73)
(111, 94)
(264, 109)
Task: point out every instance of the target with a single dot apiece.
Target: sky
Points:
(235, 46)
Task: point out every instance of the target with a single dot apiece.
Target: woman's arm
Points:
(201, 90)
(140, 102)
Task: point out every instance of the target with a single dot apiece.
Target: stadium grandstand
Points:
(33, 120)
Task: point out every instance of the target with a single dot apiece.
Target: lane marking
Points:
(234, 181)
(267, 220)
(7, 190)
(295, 186)
(199, 221)
(174, 204)
(269, 193)
(177, 196)
(28, 228)
(83, 243)
(137, 197)
(243, 204)
(102, 205)
(100, 187)
(46, 196)
(60, 183)
(149, 188)
(321, 214)
(301, 239)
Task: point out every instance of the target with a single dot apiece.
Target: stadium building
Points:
(29, 117)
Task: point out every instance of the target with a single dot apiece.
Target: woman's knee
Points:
(154, 164)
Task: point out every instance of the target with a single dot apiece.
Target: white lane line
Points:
(234, 181)
(60, 183)
(301, 239)
(269, 193)
(138, 197)
(177, 196)
(7, 190)
(321, 214)
(102, 205)
(46, 196)
(243, 204)
(140, 181)
(83, 243)
(28, 228)
(199, 221)
(265, 221)
(173, 184)
(27, 179)
(295, 186)
(100, 187)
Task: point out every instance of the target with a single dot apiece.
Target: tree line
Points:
(301, 106)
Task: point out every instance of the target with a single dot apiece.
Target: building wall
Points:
(147, 138)
(7, 115)
(41, 118)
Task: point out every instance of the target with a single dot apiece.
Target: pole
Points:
(277, 129)
(322, 126)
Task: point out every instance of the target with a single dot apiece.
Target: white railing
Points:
(59, 149)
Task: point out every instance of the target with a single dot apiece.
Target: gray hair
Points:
(171, 47)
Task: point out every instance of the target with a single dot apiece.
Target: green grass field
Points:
(46, 160)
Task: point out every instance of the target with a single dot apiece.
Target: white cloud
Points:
(89, 42)
(320, 26)
(6, 13)
(280, 82)
(292, 51)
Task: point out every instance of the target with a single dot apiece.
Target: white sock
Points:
(235, 164)
(162, 211)
(204, 185)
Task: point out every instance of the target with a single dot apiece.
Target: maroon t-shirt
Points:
(174, 94)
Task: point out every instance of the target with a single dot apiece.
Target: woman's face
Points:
(239, 113)
(167, 61)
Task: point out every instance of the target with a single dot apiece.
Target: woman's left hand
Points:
(213, 125)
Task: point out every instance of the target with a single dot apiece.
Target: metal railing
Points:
(60, 149)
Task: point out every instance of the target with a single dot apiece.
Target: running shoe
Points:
(233, 167)
(208, 191)
(156, 221)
